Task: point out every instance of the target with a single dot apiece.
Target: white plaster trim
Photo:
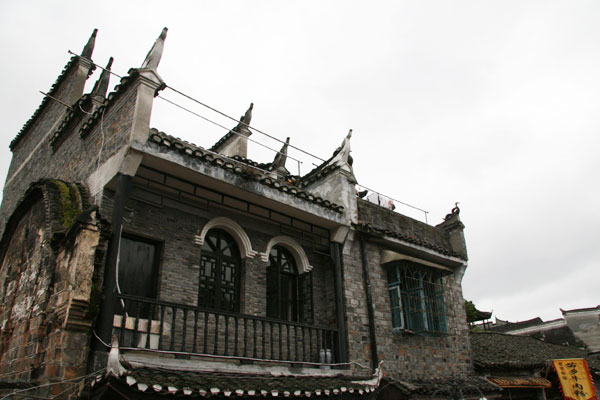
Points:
(538, 328)
(140, 358)
(234, 229)
(453, 261)
(387, 256)
(294, 248)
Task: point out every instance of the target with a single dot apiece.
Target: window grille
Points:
(416, 298)
(219, 272)
(289, 295)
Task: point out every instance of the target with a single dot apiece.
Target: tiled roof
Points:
(206, 156)
(74, 115)
(71, 64)
(320, 172)
(65, 203)
(186, 384)
(369, 228)
(511, 326)
(575, 310)
(229, 134)
(443, 387)
(520, 382)
(498, 350)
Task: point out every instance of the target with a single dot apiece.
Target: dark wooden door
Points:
(137, 270)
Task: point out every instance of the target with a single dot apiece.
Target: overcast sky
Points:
(494, 104)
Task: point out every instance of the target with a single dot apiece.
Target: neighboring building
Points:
(522, 365)
(579, 327)
(210, 274)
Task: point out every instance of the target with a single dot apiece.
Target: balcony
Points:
(159, 326)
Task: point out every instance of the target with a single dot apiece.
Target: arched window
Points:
(289, 295)
(219, 272)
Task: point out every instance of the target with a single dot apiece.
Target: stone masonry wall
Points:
(389, 220)
(74, 159)
(46, 295)
(406, 356)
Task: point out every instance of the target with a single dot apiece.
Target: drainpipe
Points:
(107, 311)
(336, 252)
(371, 314)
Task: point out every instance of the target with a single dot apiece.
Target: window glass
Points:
(219, 272)
(289, 295)
(416, 298)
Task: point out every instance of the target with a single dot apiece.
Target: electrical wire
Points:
(217, 111)
(80, 378)
(397, 201)
(224, 127)
(249, 127)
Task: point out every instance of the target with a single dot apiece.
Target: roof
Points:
(237, 165)
(576, 310)
(529, 382)
(64, 203)
(167, 383)
(443, 386)
(409, 238)
(498, 350)
(71, 64)
(511, 326)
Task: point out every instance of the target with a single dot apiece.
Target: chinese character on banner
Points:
(575, 379)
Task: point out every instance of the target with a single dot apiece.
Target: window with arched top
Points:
(219, 272)
(289, 294)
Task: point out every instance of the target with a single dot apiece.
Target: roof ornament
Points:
(281, 157)
(341, 156)
(455, 211)
(113, 364)
(153, 57)
(89, 47)
(101, 85)
(247, 117)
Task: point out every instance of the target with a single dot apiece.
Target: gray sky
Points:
(490, 103)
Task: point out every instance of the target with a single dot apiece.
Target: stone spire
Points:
(342, 156)
(89, 47)
(153, 57)
(235, 142)
(101, 85)
(278, 164)
(247, 117)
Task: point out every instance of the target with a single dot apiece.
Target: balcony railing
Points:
(158, 325)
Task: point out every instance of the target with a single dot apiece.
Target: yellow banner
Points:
(575, 379)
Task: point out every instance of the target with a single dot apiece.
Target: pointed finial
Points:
(113, 363)
(89, 47)
(247, 117)
(281, 157)
(155, 53)
(101, 85)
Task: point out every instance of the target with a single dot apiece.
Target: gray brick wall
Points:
(406, 356)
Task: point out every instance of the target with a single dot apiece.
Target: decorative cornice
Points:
(198, 153)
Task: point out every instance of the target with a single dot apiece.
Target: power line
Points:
(249, 127)
(218, 112)
(222, 126)
(52, 383)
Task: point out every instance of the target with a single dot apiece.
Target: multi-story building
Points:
(136, 264)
